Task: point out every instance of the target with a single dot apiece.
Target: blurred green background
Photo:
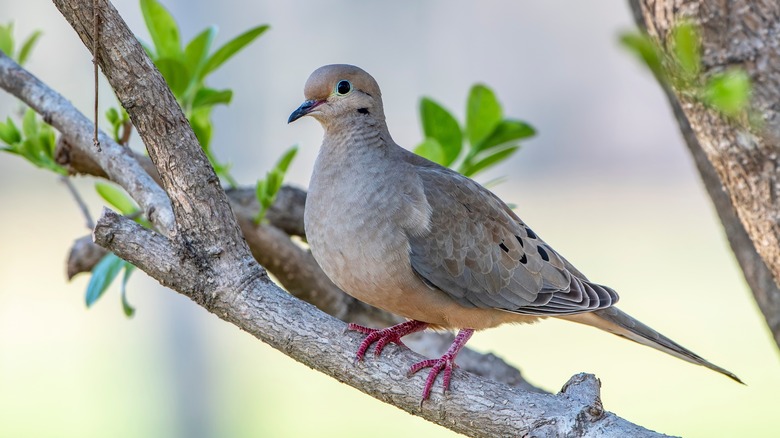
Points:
(608, 183)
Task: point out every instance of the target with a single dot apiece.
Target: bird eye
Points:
(343, 87)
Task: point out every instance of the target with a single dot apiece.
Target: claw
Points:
(382, 337)
(445, 363)
(393, 334)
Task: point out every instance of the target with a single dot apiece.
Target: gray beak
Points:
(305, 108)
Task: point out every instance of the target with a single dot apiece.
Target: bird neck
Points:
(356, 134)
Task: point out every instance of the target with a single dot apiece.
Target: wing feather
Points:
(480, 253)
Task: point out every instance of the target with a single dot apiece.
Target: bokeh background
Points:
(608, 182)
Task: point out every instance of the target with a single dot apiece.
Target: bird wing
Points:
(481, 254)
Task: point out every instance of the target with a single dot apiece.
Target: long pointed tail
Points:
(615, 321)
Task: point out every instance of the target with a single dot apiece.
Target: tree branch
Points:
(738, 168)
(116, 160)
(475, 406)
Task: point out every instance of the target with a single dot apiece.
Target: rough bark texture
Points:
(738, 163)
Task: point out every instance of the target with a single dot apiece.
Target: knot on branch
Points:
(83, 256)
(585, 389)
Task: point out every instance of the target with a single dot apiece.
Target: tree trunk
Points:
(737, 162)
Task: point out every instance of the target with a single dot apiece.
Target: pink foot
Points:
(384, 336)
(445, 363)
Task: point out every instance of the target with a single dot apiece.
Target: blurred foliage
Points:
(8, 43)
(119, 199)
(106, 271)
(36, 141)
(679, 66)
(103, 274)
(119, 121)
(267, 188)
(186, 70)
(491, 138)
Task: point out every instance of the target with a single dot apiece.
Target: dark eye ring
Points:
(343, 87)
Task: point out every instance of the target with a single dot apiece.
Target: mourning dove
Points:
(419, 240)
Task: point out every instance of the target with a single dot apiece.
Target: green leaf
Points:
(7, 39)
(646, 49)
(432, 150)
(273, 183)
(488, 161)
(439, 124)
(9, 133)
(48, 140)
(260, 191)
(27, 47)
(729, 92)
(286, 159)
(102, 275)
(113, 116)
(126, 307)
(28, 148)
(505, 132)
(230, 48)
(197, 50)
(149, 50)
(210, 96)
(175, 74)
(483, 113)
(200, 119)
(30, 123)
(266, 189)
(116, 197)
(162, 28)
(686, 48)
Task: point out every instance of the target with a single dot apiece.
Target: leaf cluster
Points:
(678, 64)
(8, 44)
(108, 268)
(186, 69)
(35, 142)
(490, 137)
(119, 120)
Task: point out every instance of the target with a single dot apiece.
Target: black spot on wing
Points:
(503, 247)
(543, 253)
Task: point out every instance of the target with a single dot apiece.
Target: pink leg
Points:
(446, 363)
(384, 336)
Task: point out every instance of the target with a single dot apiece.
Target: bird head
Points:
(338, 90)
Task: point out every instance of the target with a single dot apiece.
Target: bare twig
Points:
(127, 129)
(79, 201)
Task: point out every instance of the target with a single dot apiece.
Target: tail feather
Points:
(615, 321)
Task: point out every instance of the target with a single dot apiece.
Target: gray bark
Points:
(738, 163)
